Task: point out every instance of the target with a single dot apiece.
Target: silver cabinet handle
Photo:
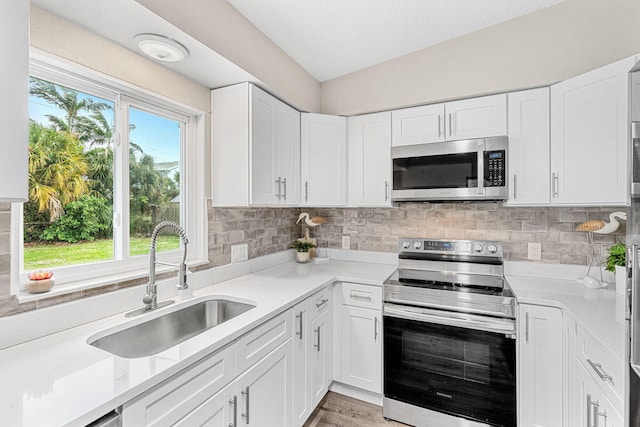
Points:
(245, 414)
(279, 182)
(321, 303)
(360, 297)
(386, 191)
(590, 403)
(317, 344)
(526, 327)
(515, 186)
(439, 126)
(450, 125)
(299, 317)
(306, 191)
(555, 181)
(601, 373)
(234, 404)
(284, 185)
(375, 328)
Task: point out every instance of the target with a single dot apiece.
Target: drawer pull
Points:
(321, 303)
(360, 297)
(601, 373)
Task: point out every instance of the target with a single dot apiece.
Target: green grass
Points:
(48, 255)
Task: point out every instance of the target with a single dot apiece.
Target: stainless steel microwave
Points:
(472, 169)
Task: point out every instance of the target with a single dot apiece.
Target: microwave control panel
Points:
(495, 169)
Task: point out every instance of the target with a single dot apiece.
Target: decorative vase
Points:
(621, 279)
(302, 257)
(39, 286)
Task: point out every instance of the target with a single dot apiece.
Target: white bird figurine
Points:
(600, 227)
(312, 222)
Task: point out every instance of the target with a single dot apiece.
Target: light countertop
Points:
(61, 380)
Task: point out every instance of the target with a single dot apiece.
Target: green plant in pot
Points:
(302, 250)
(616, 262)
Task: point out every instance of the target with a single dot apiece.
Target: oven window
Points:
(461, 372)
(444, 171)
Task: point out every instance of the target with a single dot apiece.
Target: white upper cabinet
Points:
(589, 137)
(418, 125)
(465, 119)
(256, 148)
(14, 110)
(528, 147)
(324, 160)
(369, 148)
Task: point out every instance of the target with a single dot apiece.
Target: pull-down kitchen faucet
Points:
(150, 300)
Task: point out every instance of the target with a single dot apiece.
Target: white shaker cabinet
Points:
(324, 160)
(593, 408)
(464, 119)
(589, 137)
(14, 108)
(541, 361)
(256, 148)
(528, 131)
(369, 151)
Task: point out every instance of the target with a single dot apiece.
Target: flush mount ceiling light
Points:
(161, 48)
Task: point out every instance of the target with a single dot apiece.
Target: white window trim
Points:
(193, 207)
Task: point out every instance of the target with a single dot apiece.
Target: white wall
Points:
(538, 49)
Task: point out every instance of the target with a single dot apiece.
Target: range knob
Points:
(417, 245)
(405, 244)
(478, 247)
(492, 249)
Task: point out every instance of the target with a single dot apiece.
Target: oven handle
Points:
(501, 326)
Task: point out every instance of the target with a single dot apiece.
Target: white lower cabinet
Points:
(593, 408)
(540, 366)
(219, 411)
(321, 354)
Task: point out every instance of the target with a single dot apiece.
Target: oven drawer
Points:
(603, 365)
(365, 296)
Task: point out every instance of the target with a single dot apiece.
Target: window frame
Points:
(192, 181)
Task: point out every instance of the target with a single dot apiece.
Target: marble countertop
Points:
(60, 380)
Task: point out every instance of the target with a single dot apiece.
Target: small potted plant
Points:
(616, 262)
(302, 250)
(39, 281)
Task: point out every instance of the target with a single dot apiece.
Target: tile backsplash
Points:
(271, 230)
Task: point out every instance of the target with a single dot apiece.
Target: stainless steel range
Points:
(449, 336)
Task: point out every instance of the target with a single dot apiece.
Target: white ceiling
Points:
(330, 38)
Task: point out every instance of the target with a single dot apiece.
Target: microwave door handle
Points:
(480, 167)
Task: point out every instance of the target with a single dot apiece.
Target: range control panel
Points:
(453, 247)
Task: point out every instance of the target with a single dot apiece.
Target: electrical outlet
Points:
(239, 253)
(534, 251)
(346, 242)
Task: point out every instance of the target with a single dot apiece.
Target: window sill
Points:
(117, 280)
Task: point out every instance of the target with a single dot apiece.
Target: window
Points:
(107, 163)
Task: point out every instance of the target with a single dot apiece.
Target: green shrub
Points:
(87, 218)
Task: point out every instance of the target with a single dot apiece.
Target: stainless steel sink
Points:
(160, 333)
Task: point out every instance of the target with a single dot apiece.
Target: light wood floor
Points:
(337, 410)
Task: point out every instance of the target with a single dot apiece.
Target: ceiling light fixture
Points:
(161, 48)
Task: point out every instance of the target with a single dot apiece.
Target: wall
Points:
(378, 229)
(538, 49)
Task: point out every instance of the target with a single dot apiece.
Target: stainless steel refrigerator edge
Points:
(632, 404)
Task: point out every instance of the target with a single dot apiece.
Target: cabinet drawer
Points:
(259, 342)
(176, 397)
(321, 301)
(366, 296)
(602, 364)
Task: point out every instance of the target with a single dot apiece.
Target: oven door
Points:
(456, 170)
(456, 364)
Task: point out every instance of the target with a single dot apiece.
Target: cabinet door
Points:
(593, 408)
(529, 147)
(288, 154)
(264, 122)
(265, 390)
(541, 360)
(302, 339)
(369, 148)
(361, 348)
(418, 125)
(476, 117)
(324, 160)
(320, 356)
(218, 411)
(589, 137)
(14, 110)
